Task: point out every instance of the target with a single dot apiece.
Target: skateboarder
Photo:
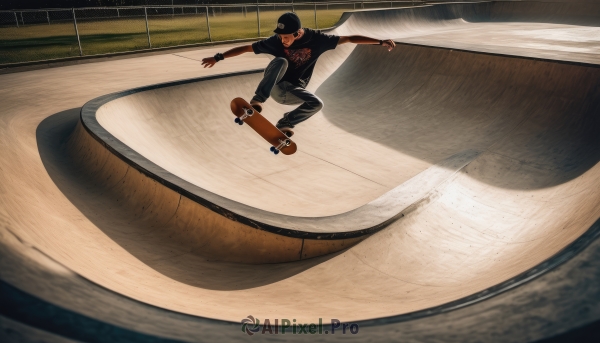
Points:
(296, 51)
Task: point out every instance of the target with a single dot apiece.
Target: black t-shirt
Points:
(301, 55)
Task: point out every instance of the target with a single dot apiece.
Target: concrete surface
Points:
(531, 190)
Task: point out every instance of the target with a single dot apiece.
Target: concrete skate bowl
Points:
(436, 175)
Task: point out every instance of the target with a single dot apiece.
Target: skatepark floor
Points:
(523, 95)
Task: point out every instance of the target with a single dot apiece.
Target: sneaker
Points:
(285, 126)
(256, 105)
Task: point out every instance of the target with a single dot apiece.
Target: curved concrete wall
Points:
(526, 191)
(215, 235)
(566, 31)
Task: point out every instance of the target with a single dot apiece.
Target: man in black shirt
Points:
(296, 51)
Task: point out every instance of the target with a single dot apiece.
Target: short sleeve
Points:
(328, 42)
(266, 46)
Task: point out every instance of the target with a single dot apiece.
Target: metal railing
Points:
(40, 35)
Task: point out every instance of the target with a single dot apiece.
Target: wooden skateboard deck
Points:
(246, 114)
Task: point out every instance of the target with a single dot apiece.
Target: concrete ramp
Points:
(391, 121)
(566, 31)
(457, 162)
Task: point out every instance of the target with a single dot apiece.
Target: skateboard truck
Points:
(282, 144)
(248, 112)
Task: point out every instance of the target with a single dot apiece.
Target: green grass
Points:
(178, 31)
(58, 40)
(37, 42)
(233, 26)
(100, 37)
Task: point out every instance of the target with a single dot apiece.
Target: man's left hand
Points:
(209, 62)
(389, 44)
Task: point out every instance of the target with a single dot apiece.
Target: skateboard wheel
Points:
(276, 152)
(241, 122)
(272, 148)
(237, 120)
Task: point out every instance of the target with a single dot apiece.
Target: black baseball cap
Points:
(288, 23)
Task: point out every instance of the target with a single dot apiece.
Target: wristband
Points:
(219, 57)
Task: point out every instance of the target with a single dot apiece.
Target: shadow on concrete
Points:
(537, 120)
(135, 236)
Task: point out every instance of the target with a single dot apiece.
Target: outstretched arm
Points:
(210, 61)
(366, 40)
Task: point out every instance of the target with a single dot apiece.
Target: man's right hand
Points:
(209, 62)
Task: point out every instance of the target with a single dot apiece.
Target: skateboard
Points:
(246, 114)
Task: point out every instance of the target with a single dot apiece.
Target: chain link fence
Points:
(232, 22)
(109, 30)
(31, 36)
(39, 35)
(329, 14)
(177, 26)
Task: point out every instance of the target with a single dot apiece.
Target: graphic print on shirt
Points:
(298, 56)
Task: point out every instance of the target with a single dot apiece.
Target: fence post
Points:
(316, 24)
(147, 27)
(208, 25)
(22, 19)
(258, 19)
(48, 17)
(118, 14)
(16, 19)
(77, 32)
